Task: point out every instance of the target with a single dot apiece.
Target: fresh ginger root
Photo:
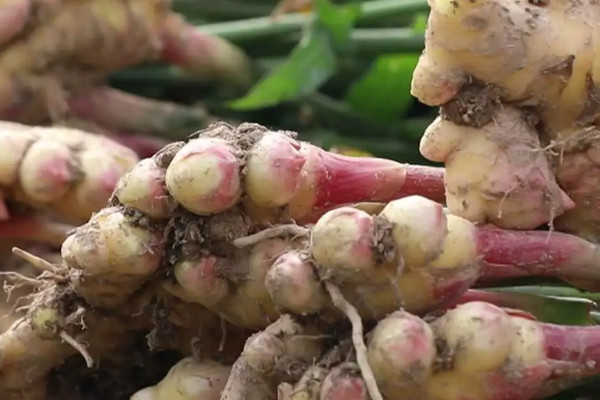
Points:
(477, 350)
(46, 79)
(188, 380)
(282, 352)
(65, 172)
(272, 175)
(518, 53)
(422, 256)
(519, 47)
(191, 246)
(513, 185)
(54, 178)
(411, 254)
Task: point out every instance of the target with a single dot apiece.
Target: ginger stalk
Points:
(277, 174)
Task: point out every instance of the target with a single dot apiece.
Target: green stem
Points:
(339, 114)
(556, 291)
(387, 40)
(364, 41)
(221, 9)
(254, 28)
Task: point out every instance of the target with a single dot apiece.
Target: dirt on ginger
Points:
(478, 350)
(513, 185)
(521, 57)
(271, 174)
(241, 282)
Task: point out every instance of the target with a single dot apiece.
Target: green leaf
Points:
(384, 92)
(553, 291)
(338, 20)
(311, 63)
(419, 24)
(551, 309)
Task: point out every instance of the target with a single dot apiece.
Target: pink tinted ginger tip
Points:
(14, 15)
(204, 176)
(46, 173)
(201, 276)
(343, 385)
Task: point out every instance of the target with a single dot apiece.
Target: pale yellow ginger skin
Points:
(342, 240)
(286, 166)
(188, 380)
(410, 276)
(411, 285)
(133, 188)
(496, 174)
(401, 352)
(204, 176)
(201, 283)
(480, 333)
(517, 46)
(545, 56)
(109, 258)
(292, 281)
(419, 230)
(579, 175)
(484, 343)
(60, 170)
(474, 351)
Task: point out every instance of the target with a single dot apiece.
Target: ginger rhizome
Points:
(54, 178)
(477, 350)
(45, 78)
(519, 110)
(249, 248)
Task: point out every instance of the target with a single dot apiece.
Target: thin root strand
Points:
(357, 339)
(38, 262)
(277, 231)
(70, 340)
(22, 279)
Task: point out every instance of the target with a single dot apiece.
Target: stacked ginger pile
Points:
(276, 270)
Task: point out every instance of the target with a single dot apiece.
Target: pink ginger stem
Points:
(117, 110)
(576, 349)
(26, 227)
(331, 180)
(203, 55)
(145, 146)
(508, 253)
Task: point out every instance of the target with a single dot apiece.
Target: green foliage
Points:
(420, 23)
(312, 61)
(309, 65)
(553, 309)
(384, 92)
